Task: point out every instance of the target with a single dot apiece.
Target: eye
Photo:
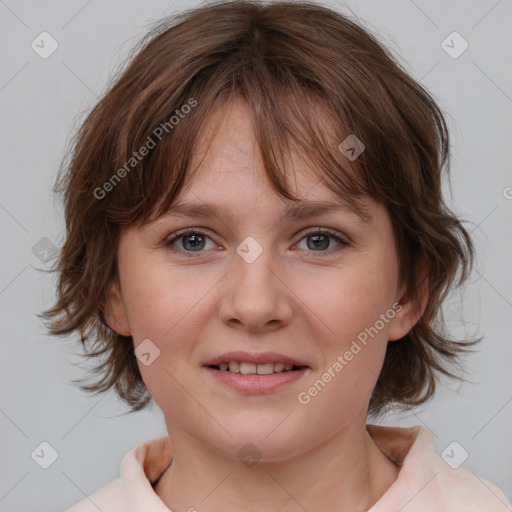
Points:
(189, 241)
(319, 240)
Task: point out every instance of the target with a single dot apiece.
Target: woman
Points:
(257, 241)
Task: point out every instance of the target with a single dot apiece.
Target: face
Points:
(280, 289)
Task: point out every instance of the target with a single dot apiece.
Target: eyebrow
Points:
(297, 211)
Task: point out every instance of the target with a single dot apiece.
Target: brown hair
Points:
(288, 61)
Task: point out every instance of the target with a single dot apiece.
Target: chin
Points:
(255, 440)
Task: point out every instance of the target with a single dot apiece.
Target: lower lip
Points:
(257, 383)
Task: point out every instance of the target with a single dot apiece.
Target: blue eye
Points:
(191, 241)
(317, 240)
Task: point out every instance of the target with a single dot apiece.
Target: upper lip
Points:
(256, 358)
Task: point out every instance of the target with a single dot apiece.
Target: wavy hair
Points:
(289, 61)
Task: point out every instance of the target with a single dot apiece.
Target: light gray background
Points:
(40, 101)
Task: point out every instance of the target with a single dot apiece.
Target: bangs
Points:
(318, 87)
(290, 115)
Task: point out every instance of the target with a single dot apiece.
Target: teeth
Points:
(247, 368)
(252, 368)
(234, 367)
(265, 369)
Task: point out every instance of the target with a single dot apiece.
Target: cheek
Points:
(349, 300)
(355, 337)
(168, 307)
(159, 298)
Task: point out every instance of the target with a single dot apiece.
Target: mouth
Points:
(256, 373)
(246, 368)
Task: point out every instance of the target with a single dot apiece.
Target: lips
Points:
(264, 363)
(256, 373)
(256, 384)
(246, 368)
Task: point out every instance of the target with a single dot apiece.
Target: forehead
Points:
(227, 173)
(227, 154)
(230, 192)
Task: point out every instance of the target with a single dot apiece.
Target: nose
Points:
(255, 297)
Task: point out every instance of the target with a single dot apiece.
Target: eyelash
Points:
(343, 241)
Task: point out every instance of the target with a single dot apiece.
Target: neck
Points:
(348, 472)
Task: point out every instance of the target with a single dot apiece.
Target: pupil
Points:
(318, 243)
(195, 244)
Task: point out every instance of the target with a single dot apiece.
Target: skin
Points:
(293, 299)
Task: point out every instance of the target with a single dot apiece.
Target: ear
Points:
(410, 311)
(115, 314)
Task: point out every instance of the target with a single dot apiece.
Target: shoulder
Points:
(464, 491)
(109, 498)
(133, 490)
(426, 481)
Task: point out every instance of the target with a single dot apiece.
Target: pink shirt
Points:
(425, 482)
